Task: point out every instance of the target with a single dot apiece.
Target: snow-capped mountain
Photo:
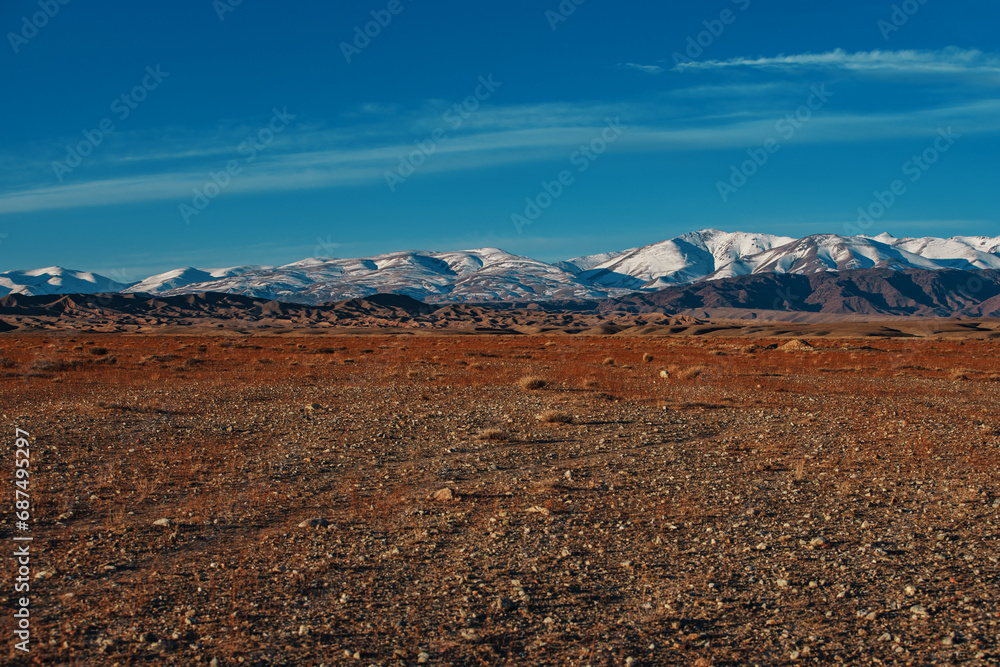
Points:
(490, 274)
(55, 280)
(487, 274)
(688, 258)
(179, 278)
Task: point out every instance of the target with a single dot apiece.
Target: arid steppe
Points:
(780, 498)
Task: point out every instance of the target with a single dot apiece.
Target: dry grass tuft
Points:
(682, 372)
(491, 434)
(530, 383)
(554, 417)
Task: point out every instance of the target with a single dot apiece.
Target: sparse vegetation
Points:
(555, 417)
(532, 383)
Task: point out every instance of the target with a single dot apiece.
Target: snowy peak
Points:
(688, 258)
(56, 280)
(491, 274)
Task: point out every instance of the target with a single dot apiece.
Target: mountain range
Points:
(493, 275)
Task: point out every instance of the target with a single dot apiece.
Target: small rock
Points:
(910, 590)
(423, 657)
(470, 635)
(44, 574)
(313, 406)
(505, 604)
(163, 522)
(303, 630)
(818, 543)
(65, 515)
(314, 523)
(443, 495)
(782, 583)
(761, 546)
(918, 610)
(549, 620)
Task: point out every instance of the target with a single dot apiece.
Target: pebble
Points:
(423, 657)
(782, 583)
(471, 635)
(314, 523)
(444, 495)
(818, 543)
(163, 522)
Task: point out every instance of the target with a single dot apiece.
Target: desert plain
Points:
(729, 495)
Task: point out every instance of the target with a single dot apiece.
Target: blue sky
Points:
(141, 137)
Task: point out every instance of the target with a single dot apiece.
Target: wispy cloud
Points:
(944, 61)
(648, 69)
(368, 142)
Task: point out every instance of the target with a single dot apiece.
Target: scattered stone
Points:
(505, 604)
(443, 495)
(423, 657)
(470, 635)
(314, 523)
(166, 523)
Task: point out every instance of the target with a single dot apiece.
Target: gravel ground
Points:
(404, 500)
